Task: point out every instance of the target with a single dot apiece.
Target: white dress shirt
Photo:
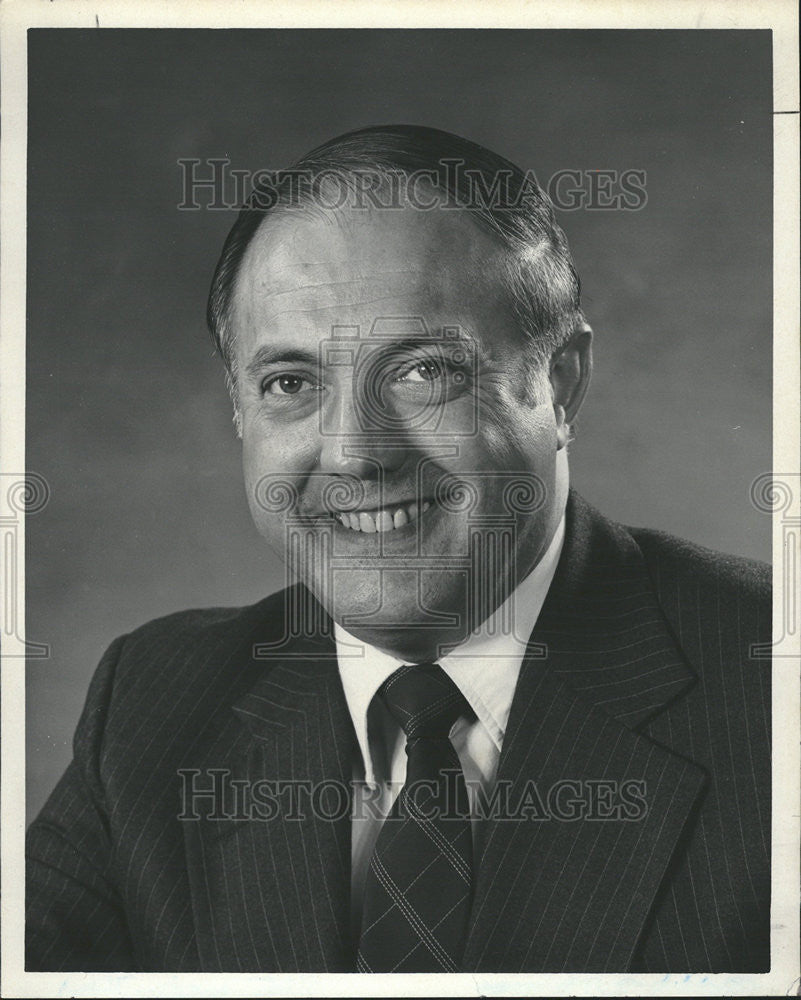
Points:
(485, 667)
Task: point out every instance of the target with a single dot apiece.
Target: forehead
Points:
(305, 272)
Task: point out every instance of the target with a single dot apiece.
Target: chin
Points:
(396, 613)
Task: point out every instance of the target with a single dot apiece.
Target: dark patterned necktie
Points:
(417, 891)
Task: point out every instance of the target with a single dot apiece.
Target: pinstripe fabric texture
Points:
(646, 678)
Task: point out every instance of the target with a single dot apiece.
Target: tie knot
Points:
(423, 700)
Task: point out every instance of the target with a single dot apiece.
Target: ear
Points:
(571, 369)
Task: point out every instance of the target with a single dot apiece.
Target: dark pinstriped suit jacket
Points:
(647, 676)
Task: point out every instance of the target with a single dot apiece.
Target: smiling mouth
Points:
(382, 520)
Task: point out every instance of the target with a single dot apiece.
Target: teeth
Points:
(383, 520)
(366, 523)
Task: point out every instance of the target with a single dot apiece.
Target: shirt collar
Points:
(501, 640)
(363, 670)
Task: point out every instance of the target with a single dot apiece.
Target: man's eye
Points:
(428, 370)
(286, 385)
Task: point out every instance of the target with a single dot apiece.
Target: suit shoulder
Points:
(197, 621)
(171, 677)
(196, 633)
(676, 560)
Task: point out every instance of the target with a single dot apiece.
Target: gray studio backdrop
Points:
(128, 418)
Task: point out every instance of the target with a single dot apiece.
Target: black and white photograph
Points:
(401, 502)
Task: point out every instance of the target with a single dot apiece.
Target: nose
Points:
(354, 442)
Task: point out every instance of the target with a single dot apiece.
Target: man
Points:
(485, 729)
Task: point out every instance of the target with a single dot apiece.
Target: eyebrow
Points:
(271, 354)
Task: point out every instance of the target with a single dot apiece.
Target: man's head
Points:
(399, 318)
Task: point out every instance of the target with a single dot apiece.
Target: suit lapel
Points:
(598, 810)
(271, 885)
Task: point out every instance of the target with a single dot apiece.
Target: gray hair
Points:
(502, 199)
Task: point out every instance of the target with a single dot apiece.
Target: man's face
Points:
(384, 389)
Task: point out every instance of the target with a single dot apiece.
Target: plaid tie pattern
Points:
(417, 892)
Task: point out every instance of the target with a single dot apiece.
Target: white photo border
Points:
(16, 16)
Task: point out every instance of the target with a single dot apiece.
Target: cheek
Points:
(536, 440)
(515, 438)
(257, 462)
(267, 448)
(275, 467)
